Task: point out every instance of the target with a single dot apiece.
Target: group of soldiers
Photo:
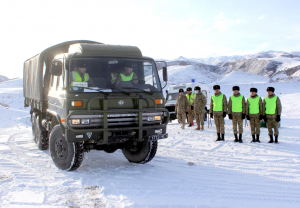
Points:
(237, 109)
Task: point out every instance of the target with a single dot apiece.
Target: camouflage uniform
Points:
(199, 107)
(237, 116)
(182, 106)
(254, 118)
(271, 118)
(190, 111)
(218, 115)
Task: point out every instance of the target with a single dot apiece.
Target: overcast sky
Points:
(160, 28)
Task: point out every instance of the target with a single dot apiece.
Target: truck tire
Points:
(142, 152)
(41, 137)
(66, 156)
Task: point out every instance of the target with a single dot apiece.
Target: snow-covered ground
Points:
(189, 170)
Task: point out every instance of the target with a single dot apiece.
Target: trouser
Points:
(272, 123)
(199, 118)
(255, 125)
(181, 117)
(237, 120)
(220, 123)
(190, 114)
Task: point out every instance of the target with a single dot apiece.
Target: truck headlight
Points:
(75, 121)
(157, 118)
(150, 118)
(85, 121)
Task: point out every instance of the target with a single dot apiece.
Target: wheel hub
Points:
(61, 148)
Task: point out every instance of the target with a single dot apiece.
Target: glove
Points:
(224, 114)
(192, 107)
(230, 116)
(261, 117)
(212, 115)
(243, 116)
(248, 117)
(278, 118)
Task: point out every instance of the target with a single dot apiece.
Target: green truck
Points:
(85, 95)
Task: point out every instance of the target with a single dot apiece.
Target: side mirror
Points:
(56, 68)
(165, 74)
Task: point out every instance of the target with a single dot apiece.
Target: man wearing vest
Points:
(218, 108)
(127, 75)
(181, 107)
(79, 75)
(190, 97)
(254, 113)
(272, 110)
(199, 107)
(237, 112)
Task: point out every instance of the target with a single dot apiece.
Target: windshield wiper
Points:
(121, 91)
(150, 93)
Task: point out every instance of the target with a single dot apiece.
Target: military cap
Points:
(235, 88)
(189, 89)
(82, 64)
(180, 90)
(216, 87)
(129, 64)
(271, 89)
(197, 88)
(253, 90)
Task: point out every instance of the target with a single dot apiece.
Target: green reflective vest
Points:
(217, 102)
(237, 105)
(271, 105)
(114, 77)
(126, 78)
(77, 77)
(190, 98)
(253, 105)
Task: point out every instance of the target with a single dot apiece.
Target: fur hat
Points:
(253, 90)
(180, 90)
(189, 89)
(216, 87)
(271, 89)
(235, 88)
(197, 88)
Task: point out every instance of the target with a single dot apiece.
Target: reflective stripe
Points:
(217, 102)
(253, 105)
(77, 77)
(271, 105)
(126, 78)
(237, 105)
(190, 97)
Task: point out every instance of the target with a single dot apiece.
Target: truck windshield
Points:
(113, 75)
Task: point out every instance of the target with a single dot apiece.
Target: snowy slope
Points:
(3, 78)
(224, 174)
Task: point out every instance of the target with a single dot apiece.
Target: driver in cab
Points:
(79, 74)
(127, 75)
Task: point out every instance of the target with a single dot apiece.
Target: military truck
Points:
(85, 95)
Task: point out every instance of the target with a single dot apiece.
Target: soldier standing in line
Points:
(182, 106)
(237, 112)
(190, 97)
(199, 107)
(254, 113)
(218, 108)
(272, 110)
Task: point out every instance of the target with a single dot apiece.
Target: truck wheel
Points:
(41, 137)
(66, 156)
(140, 152)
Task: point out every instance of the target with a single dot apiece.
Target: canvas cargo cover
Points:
(33, 68)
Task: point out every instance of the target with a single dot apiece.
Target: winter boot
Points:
(219, 138)
(257, 138)
(253, 138)
(240, 138)
(223, 137)
(271, 139)
(236, 138)
(198, 126)
(276, 139)
(202, 126)
(190, 125)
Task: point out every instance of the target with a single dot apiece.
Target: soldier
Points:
(182, 106)
(237, 112)
(218, 108)
(254, 113)
(190, 97)
(199, 107)
(79, 75)
(272, 110)
(127, 75)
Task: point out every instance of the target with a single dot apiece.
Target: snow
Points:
(190, 169)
